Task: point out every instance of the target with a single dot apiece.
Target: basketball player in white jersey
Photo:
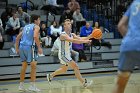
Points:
(66, 39)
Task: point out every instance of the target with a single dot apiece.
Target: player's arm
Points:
(17, 41)
(82, 38)
(36, 38)
(73, 40)
(122, 26)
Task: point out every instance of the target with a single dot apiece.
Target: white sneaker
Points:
(34, 88)
(41, 55)
(87, 84)
(13, 50)
(49, 78)
(21, 88)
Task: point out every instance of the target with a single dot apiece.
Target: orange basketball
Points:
(97, 34)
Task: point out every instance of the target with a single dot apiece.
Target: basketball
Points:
(97, 34)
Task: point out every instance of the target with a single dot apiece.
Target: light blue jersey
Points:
(27, 49)
(131, 41)
(28, 35)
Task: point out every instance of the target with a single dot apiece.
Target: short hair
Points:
(66, 20)
(34, 17)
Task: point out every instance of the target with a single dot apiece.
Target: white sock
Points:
(32, 84)
(21, 83)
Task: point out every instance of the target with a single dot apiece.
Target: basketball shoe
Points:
(87, 84)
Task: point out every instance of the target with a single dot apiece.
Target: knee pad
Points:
(124, 74)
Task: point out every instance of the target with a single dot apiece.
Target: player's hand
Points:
(87, 41)
(40, 51)
(90, 36)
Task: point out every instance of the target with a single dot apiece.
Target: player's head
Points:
(35, 19)
(67, 25)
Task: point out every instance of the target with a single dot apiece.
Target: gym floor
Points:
(102, 83)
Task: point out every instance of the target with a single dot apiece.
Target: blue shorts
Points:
(27, 53)
(128, 60)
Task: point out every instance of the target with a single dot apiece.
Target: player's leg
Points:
(127, 62)
(33, 71)
(75, 67)
(23, 71)
(78, 75)
(33, 77)
(63, 69)
(32, 58)
(22, 76)
(23, 68)
(121, 82)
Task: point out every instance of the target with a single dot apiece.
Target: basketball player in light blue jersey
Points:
(129, 27)
(27, 45)
(65, 41)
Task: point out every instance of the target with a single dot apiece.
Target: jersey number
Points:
(27, 30)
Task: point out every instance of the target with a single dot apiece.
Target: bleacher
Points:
(102, 60)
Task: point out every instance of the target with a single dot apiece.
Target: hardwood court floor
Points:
(101, 84)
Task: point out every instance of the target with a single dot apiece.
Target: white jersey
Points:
(64, 50)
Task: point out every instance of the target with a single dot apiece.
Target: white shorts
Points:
(64, 59)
